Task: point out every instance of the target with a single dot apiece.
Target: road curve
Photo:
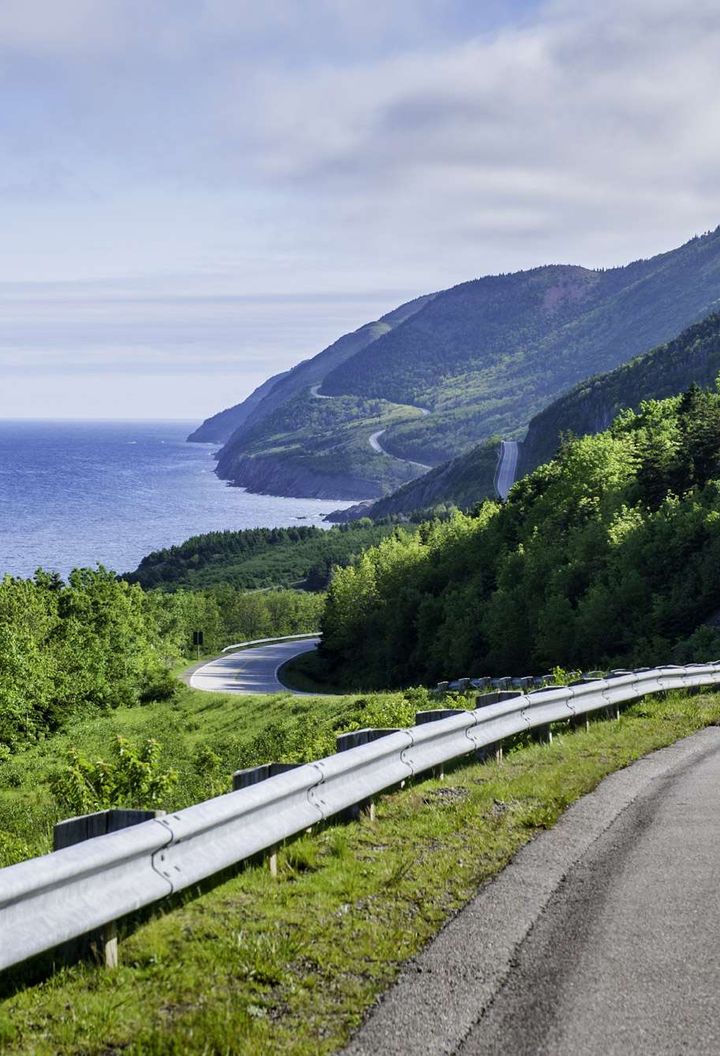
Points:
(374, 441)
(374, 438)
(507, 467)
(252, 670)
(601, 938)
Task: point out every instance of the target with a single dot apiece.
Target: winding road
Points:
(253, 670)
(507, 467)
(374, 438)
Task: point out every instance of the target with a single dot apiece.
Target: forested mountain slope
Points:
(481, 358)
(271, 395)
(693, 357)
(257, 558)
(487, 355)
(590, 407)
(607, 555)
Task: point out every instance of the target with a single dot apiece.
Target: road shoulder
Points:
(440, 995)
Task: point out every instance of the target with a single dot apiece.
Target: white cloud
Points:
(340, 146)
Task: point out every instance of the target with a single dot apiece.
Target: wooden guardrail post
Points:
(86, 827)
(344, 742)
(495, 697)
(435, 715)
(253, 775)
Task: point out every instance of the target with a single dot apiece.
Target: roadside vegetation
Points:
(606, 556)
(169, 754)
(93, 644)
(262, 965)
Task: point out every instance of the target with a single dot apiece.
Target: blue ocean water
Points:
(77, 493)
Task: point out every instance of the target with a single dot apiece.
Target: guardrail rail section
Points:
(47, 901)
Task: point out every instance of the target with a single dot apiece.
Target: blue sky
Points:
(198, 193)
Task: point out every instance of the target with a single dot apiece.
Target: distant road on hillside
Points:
(374, 438)
(250, 670)
(507, 467)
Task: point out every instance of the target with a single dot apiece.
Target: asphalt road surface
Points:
(507, 467)
(601, 938)
(252, 670)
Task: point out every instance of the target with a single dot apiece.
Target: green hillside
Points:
(607, 555)
(462, 482)
(480, 360)
(271, 395)
(590, 407)
(313, 447)
(258, 558)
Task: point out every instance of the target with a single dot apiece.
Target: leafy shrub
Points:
(133, 778)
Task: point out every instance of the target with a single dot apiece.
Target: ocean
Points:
(75, 494)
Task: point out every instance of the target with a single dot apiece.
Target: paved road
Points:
(374, 441)
(374, 438)
(507, 467)
(315, 391)
(250, 670)
(602, 938)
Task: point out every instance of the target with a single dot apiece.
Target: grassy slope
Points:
(271, 727)
(260, 966)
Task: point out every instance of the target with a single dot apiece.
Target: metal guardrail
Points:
(271, 641)
(49, 900)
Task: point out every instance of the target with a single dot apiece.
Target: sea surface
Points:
(76, 494)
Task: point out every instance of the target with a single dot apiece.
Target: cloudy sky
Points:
(197, 193)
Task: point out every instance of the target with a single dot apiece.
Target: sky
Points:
(196, 194)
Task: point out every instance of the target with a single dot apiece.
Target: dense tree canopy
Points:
(609, 553)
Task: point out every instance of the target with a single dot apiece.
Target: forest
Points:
(607, 555)
(590, 407)
(259, 558)
(96, 643)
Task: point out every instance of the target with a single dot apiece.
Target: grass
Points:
(307, 673)
(289, 965)
(237, 730)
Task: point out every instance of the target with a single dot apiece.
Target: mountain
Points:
(428, 383)
(693, 357)
(282, 387)
(221, 426)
